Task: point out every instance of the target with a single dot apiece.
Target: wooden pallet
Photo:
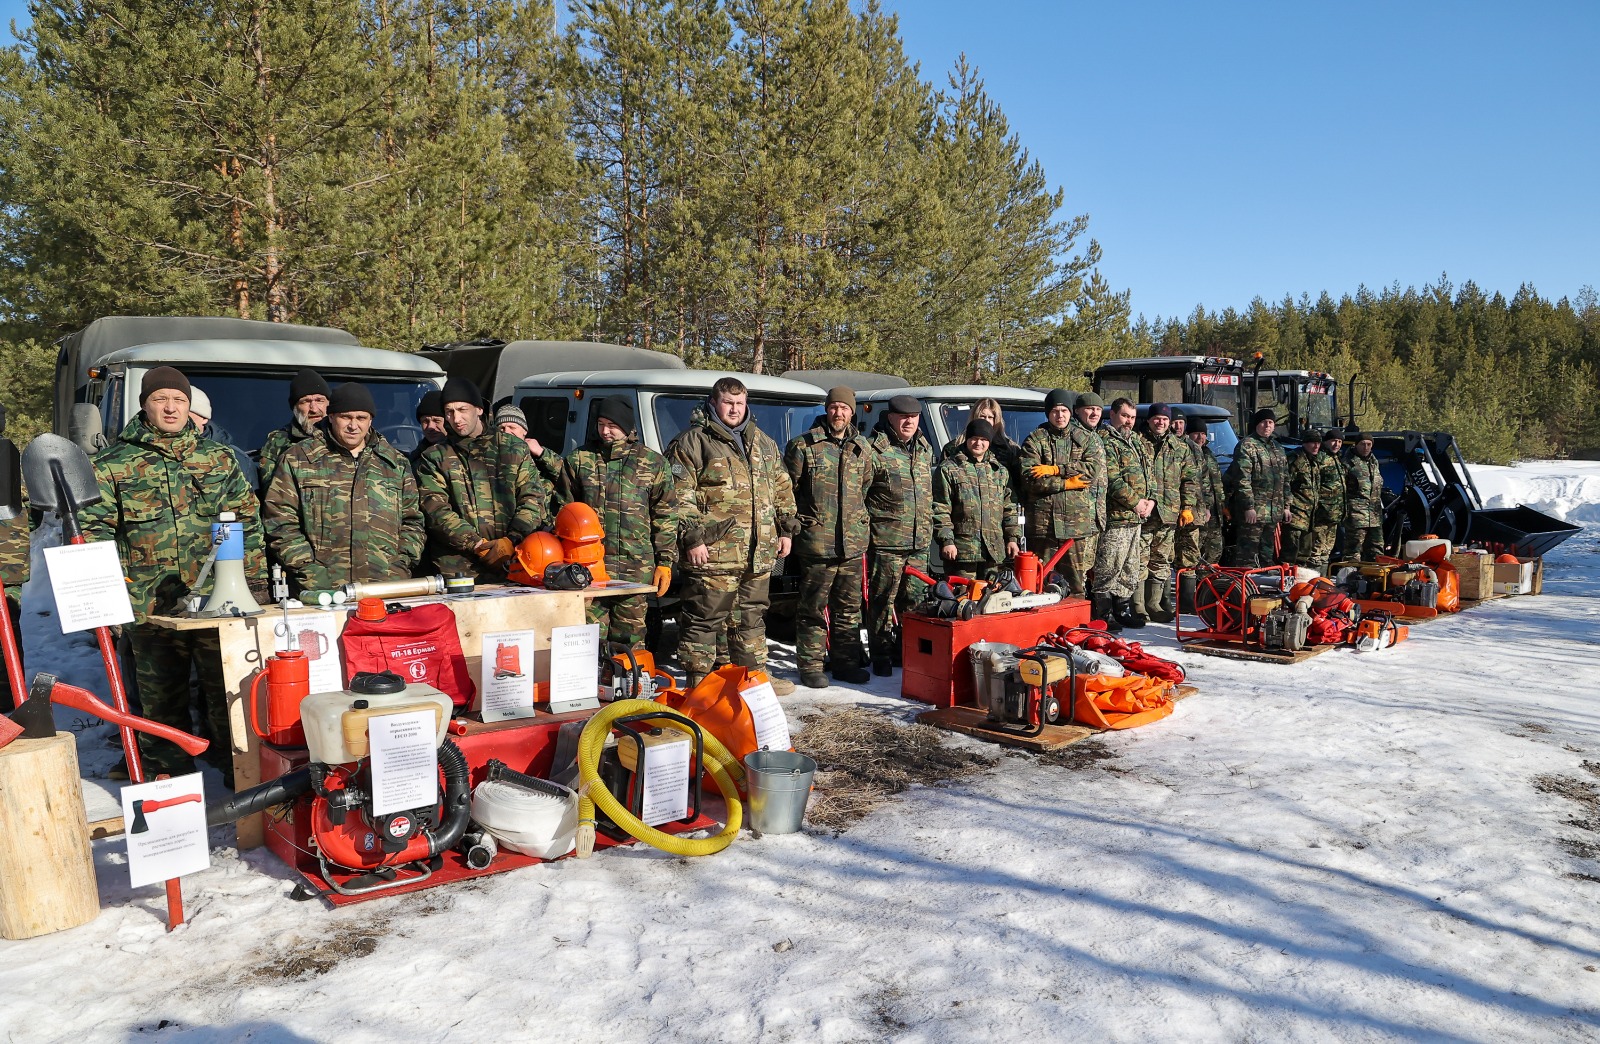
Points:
(970, 721)
(1236, 651)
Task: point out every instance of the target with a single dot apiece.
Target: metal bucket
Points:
(779, 782)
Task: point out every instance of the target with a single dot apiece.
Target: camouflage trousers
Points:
(1365, 542)
(1156, 550)
(1254, 545)
(1075, 564)
(828, 615)
(1116, 562)
(163, 660)
(891, 591)
(709, 605)
(1199, 544)
(979, 570)
(621, 620)
(1293, 545)
(1318, 547)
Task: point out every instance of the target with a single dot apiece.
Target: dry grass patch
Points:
(864, 758)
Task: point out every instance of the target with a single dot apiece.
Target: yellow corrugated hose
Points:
(725, 771)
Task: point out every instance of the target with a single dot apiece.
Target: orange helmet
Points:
(534, 554)
(577, 523)
(1507, 559)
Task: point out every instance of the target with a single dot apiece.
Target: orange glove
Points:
(1044, 470)
(1185, 517)
(662, 579)
(496, 551)
(1074, 482)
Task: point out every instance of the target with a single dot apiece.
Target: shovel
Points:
(10, 508)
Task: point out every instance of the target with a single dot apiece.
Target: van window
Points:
(590, 432)
(247, 406)
(781, 419)
(547, 419)
(1019, 420)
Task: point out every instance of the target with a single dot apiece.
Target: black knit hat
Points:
(1312, 436)
(307, 382)
(1158, 409)
(1354, 437)
(164, 377)
(432, 405)
(1333, 434)
(1089, 399)
(1265, 413)
(1059, 397)
(615, 409)
(979, 428)
(459, 389)
(351, 398)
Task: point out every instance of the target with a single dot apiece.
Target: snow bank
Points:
(1567, 489)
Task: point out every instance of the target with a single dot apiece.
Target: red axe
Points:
(143, 805)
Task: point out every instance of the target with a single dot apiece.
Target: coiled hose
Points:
(725, 771)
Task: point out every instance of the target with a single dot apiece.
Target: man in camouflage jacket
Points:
(308, 403)
(832, 468)
(161, 488)
(736, 519)
(1062, 464)
(974, 517)
(900, 503)
(1305, 489)
(1364, 531)
(1258, 490)
(630, 487)
(1175, 485)
(481, 494)
(343, 507)
(1331, 498)
(1201, 540)
(14, 565)
(1130, 490)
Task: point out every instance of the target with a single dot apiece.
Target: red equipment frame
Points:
(1244, 630)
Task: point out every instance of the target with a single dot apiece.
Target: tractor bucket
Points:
(57, 469)
(1521, 530)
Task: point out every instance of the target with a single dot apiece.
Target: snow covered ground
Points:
(1355, 848)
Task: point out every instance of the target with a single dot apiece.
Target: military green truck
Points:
(244, 367)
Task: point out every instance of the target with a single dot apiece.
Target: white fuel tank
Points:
(336, 726)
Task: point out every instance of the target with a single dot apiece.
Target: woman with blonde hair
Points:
(1004, 448)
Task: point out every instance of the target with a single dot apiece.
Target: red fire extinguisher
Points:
(1026, 568)
(288, 676)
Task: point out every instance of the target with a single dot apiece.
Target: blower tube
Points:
(457, 810)
(724, 768)
(258, 799)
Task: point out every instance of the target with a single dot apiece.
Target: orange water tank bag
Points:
(716, 706)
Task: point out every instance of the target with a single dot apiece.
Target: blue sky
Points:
(1226, 151)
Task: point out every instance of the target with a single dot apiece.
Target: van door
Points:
(548, 416)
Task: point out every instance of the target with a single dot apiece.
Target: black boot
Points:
(1128, 615)
(882, 666)
(1105, 609)
(852, 675)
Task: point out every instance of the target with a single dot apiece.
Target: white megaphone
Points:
(230, 592)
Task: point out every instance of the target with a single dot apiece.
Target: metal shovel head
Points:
(77, 473)
(10, 481)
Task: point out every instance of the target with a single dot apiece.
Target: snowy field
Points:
(1396, 846)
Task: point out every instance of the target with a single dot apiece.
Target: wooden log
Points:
(47, 881)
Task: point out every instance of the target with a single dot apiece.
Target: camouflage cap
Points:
(1089, 399)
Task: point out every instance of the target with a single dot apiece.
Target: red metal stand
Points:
(934, 651)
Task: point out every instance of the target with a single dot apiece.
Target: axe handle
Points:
(158, 803)
(89, 703)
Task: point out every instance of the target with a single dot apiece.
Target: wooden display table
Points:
(247, 641)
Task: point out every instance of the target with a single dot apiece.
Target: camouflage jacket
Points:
(1257, 479)
(1331, 494)
(1212, 496)
(1129, 477)
(1365, 486)
(159, 495)
(280, 441)
(1175, 481)
(1002, 449)
(1305, 489)
(832, 478)
(14, 552)
(1055, 513)
(972, 507)
(735, 503)
(332, 518)
(900, 501)
(474, 489)
(630, 486)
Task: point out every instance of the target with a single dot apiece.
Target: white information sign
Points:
(316, 635)
(164, 823)
(772, 726)
(666, 781)
(89, 586)
(574, 662)
(506, 683)
(405, 761)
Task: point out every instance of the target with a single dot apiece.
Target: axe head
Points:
(33, 714)
(139, 825)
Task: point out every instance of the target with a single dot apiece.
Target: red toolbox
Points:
(934, 652)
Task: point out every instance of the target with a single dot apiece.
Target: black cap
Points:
(307, 382)
(1159, 409)
(1357, 436)
(1312, 436)
(1089, 399)
(615, 409)
(432, 405)
(1060, 397)
(351, 398)
(976, 427)
(905, 404)
(1333, 433)
(1265, 413)
(168, 377)
(459, 389)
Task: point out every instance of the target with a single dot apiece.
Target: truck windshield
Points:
(1316, 403)
(247, 406)
(1222, 441)
(1020, 418)
(781, 419)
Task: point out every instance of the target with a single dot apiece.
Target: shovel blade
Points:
(10, 481)
(77, 474)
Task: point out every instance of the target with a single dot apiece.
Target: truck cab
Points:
(947, 408)
(1304, 400)
(243, 366)
(1205, 380)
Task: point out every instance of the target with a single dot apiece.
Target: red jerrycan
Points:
(288, 678)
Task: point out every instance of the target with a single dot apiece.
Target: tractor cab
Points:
(1304, 400)
(1202, 380)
